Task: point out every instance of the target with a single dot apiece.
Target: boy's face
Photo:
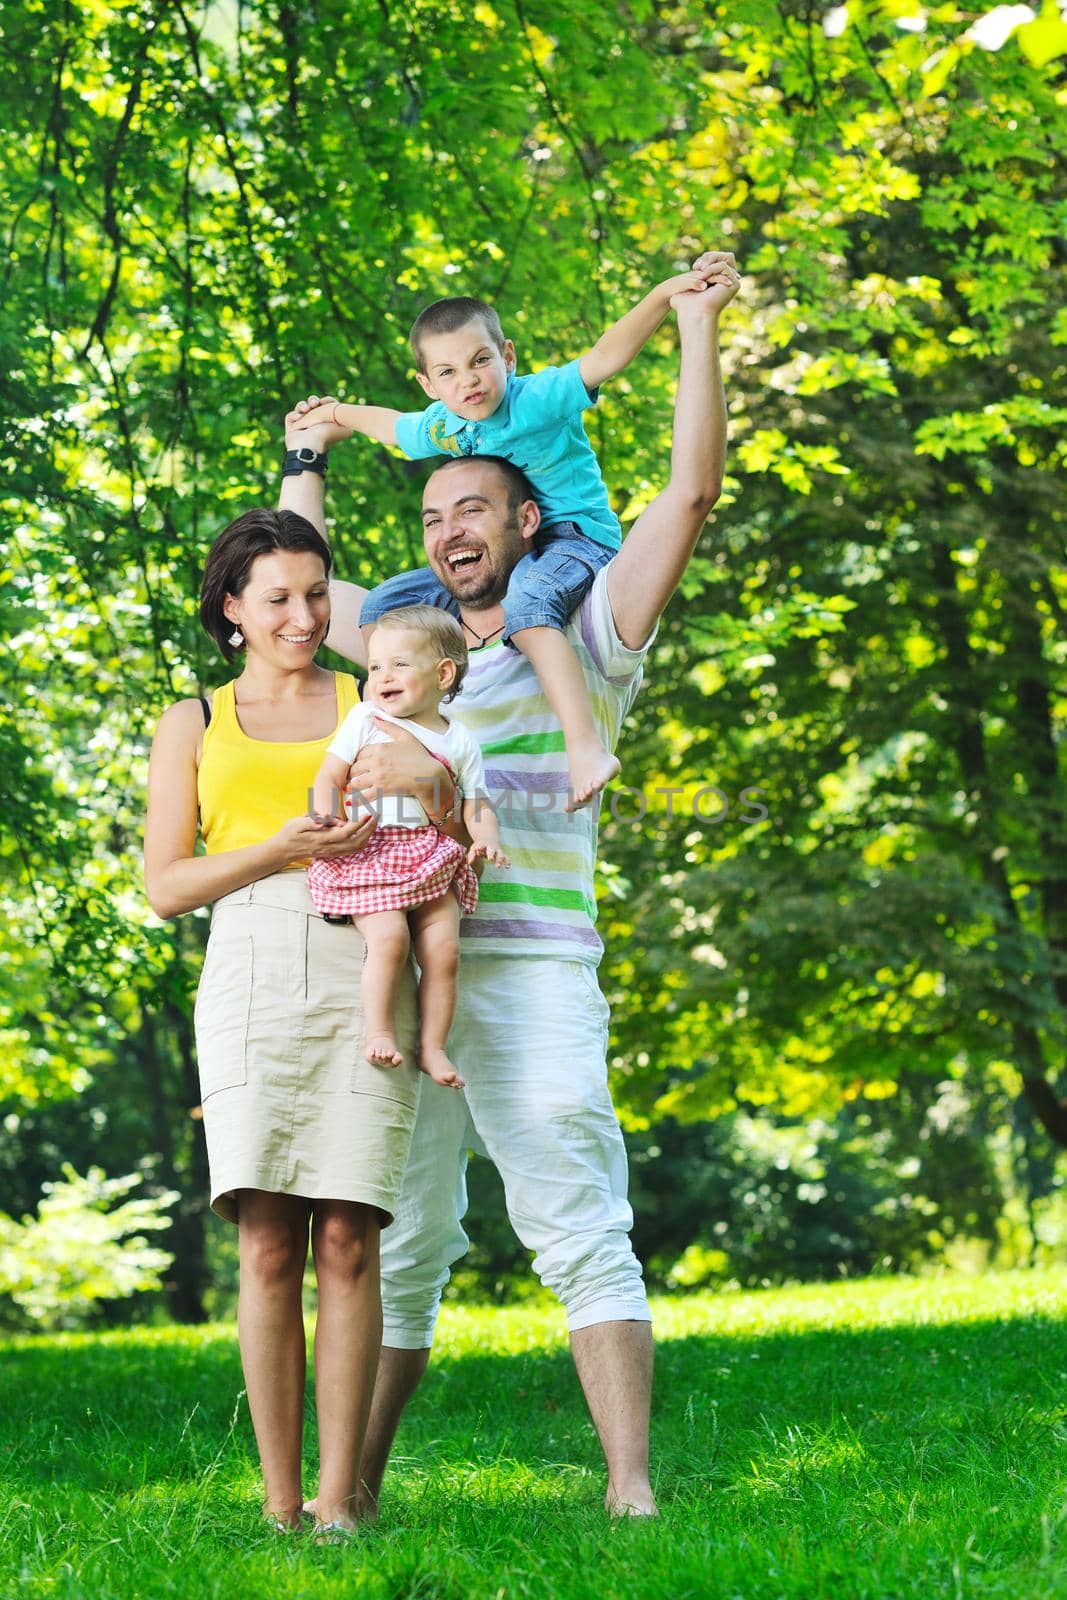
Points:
(466, 371)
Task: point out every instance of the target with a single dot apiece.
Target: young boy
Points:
(480, 407)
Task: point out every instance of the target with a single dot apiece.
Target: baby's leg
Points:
(435, 926)
(553, 658)
(388, 942)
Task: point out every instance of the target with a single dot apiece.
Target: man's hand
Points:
(719, 282)
(311, 423)
(403, 766)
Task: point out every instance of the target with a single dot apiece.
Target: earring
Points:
(236, 638)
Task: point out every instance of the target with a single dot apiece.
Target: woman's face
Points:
(284, 609)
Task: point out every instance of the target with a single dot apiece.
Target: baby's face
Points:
(466, 371)
(405, 677)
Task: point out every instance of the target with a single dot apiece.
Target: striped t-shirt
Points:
(544, 904)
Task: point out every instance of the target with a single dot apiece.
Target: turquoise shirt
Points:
(538, 426)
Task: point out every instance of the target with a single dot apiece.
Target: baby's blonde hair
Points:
(442, 633)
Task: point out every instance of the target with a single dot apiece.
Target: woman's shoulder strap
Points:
(206, 710)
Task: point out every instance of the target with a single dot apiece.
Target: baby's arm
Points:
(377, 422)
(617, 347)
(479, 819)
(331, 781)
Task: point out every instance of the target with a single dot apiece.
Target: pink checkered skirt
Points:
(396, 869)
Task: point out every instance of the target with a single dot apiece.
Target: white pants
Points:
(530, 1038)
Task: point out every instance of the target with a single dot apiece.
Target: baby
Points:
(409, 880)
(467, 367)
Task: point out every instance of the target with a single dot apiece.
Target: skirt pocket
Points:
(223, 1005)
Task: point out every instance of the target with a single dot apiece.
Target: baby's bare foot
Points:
(437, 1066)
(382, 1050)
(591, 768)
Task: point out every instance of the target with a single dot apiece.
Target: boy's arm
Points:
(377, 422)
(617, 347)
(656, 551)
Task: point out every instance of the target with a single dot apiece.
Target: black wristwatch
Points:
(305, 459)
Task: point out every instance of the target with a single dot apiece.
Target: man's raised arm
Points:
(305, 493)
(655, 552)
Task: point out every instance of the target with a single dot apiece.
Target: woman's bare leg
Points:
(435, 929)
(273, 1242)
(348, 1341)
(388, 943)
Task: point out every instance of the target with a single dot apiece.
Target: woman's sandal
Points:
(279, 1524)
(334, 1532)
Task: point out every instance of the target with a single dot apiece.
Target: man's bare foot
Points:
(591, 768)
(437, 1066)
(382, 1050)
(639, 1502)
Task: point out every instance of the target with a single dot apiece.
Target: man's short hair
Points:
(516, 482)
(441, 631)
(447, 316)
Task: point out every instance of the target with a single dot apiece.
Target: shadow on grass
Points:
(119, 1414)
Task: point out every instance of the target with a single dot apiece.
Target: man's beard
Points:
(492, 586)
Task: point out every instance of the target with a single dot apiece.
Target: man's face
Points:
(472, 538)
(466, 371)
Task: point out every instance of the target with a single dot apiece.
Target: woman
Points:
(305, 1136)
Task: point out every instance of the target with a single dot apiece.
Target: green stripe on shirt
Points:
(534, 744)
(528, 894)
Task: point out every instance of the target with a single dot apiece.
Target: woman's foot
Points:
(591, 768)
(437, 1066)
(382, 1050)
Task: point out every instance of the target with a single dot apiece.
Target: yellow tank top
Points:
(247, 788)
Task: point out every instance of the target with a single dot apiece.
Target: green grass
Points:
(900, 1438)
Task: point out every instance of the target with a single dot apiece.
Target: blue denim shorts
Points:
(544, 589)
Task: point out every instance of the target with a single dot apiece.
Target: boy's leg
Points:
(418, 588)
(544, 589)
(435, 932)
(388, 942)
(590, 763)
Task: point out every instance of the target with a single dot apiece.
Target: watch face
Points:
(306, 454)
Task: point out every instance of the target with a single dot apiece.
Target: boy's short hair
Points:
(441, 631)
(447, 316)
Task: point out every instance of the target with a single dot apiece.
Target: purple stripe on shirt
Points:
(519, 928)
(539, 782)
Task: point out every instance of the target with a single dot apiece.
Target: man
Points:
(531, 1026)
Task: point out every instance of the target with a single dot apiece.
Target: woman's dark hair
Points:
(229, 562)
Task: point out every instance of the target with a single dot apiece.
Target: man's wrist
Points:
(303, 458)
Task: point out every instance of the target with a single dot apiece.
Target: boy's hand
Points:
(311, 422)
(488, 852)
(719, 282)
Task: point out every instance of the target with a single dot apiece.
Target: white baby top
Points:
(456, 746)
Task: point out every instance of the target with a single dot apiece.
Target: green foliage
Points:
(82, 1248)
(865, 1441)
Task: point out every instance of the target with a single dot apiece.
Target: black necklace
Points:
(479, 641)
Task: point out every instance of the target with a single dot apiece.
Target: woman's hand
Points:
(403, 766)
(301, 837)
(323, 433)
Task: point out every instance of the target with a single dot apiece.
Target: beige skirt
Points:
(291, 1105)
